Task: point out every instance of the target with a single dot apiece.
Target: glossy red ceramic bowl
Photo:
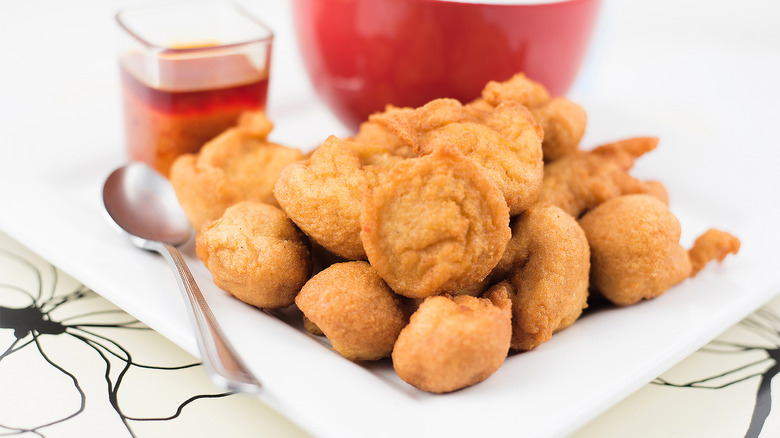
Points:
(364, 54)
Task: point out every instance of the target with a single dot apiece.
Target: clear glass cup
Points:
(188, 70)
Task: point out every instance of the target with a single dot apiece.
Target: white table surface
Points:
(700, 64)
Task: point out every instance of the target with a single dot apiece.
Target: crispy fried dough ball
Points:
(635, 248)
(518, 89)
(203, 191)
(562, 120)
(378, 146)
(505, 141)
(515, 166)
(255, 124)
(636, 252)
(323, 196)
(355, 310)
(581, 181)
(454, 342)
(437, 224)
(237, 165)
(255, 253)
(549, 272)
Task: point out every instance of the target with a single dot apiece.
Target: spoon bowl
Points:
(143, 203)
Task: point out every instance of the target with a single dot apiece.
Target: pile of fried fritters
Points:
(441, 236)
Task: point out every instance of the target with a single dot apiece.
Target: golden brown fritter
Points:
(636, 252)
(562, 120)
(254, 124)
(255, 253)
(355, 309)
(518, 88)
(377, 146)
(579, 182)
(454, 342)
(712, 245)
(237, 165)
(204, 192)
(437, 224)
(505, 141)
(550, 265)
(323, 196)
(413, 125)
(635, 248)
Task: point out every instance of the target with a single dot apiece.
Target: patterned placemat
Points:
(73, 364)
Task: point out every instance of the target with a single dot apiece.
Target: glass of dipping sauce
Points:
(188, 70)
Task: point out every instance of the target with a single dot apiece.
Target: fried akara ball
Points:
(323, 196)
(635, 249)
(454, 342)
(505, 141)
(581, 181)
(438, 224)
(255, 253)
(518, 88)
(562, 120)
(353, 307)
(377, 146)
(549, 272)
(237, 165)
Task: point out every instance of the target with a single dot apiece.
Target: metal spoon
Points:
(143, 203)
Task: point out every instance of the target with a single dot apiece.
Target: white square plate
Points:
(50, 200)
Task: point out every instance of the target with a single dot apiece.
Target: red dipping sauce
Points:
(193, 100)
(188, 70)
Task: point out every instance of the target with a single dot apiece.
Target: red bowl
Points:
(364, 54)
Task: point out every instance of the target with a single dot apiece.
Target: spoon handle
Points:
(222, 363)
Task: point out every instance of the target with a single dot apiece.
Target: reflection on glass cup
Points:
(188, 70)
